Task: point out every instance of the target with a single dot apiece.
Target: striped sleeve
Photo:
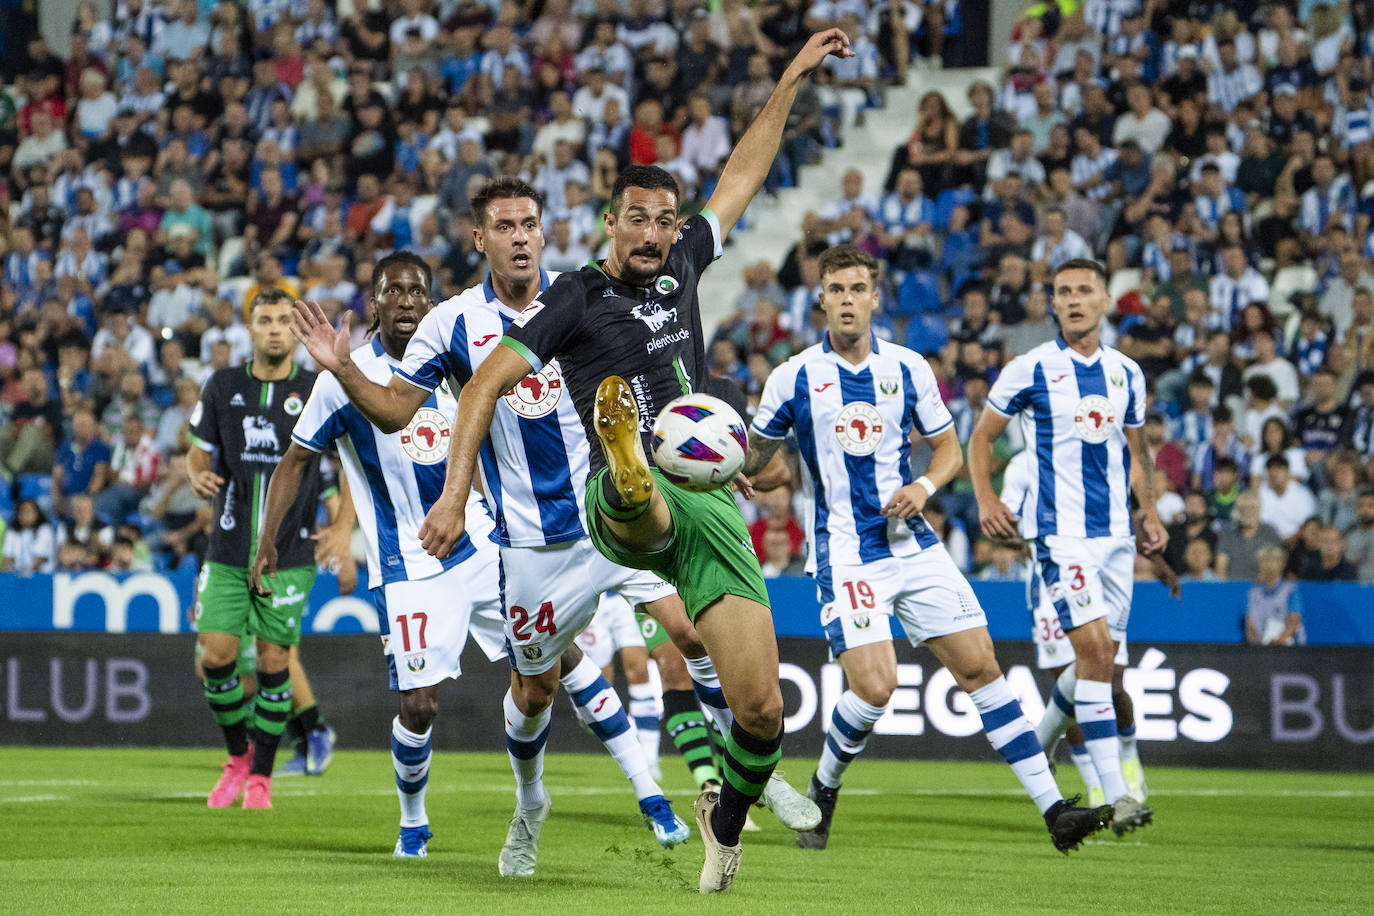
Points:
(321, 420)
(1135, 403)
(437, 350)
(1010, 394)
(929, 411)
(776, 412)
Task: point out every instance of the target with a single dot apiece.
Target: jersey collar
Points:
(873, 351)
(490, 291)
(1075, 355)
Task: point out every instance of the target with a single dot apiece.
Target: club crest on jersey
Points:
(415, 663)
(654, 315)
(425, 440)
(1094, 419)
(1117, 379)
(666, 286)
(859, 429)
(1083, 600)
(531, 653)
(293, 405)
(889, 385)
(537, 394)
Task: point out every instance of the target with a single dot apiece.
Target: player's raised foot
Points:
(257, 793)
(1134, 774)
(669, 829)
(1070, 825)
(230, 784)
(319, 750)
(1130, 814)
(794, 809)
(296, 766)
(413, 843)
(521, 851)
(617, 426)
(718, 871)
(825, 798)
(1096, 797)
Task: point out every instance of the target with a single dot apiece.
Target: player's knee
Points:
(534, 694)
(976, 671)
(1095, 661)
(418, 710)
(876, 689)
(763, 717)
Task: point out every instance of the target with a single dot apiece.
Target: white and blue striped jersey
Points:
(853, 426)
(1074, 414)
(534, 462)
(394, 477)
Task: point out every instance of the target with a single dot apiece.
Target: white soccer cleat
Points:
(718, 871)
(1129, 815)
(795, 810)
(521, 851)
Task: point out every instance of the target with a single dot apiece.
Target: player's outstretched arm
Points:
(749, 163)
(760, 454)
(994, 517)
(444, 523)
(388, 407)
(281, 493)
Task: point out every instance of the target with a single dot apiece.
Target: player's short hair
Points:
(507, 187)
(647, 177)
(1084, 264)
(840, 257)
(401, 257)
(271, 296)
(1276, 461)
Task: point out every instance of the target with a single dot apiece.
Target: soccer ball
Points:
(699, 442)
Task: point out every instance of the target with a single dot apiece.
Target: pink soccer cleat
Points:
(257, 793)
(226, 791)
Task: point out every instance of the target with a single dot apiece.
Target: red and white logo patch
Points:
(426, 439)
(537, 394)
(1094, 419)
(859, 428)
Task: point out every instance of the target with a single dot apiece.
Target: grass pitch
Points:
(100, 831)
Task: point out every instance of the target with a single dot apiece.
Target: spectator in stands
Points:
(1261, 405)
(1166, 455)
(1277, 439)
(29, 439)
(1359, 538)
(932, 146)
(1273, 614)
(29, 546)
(1197, 562)
(1195, 525)
(1331, 565)
(1284, 503)
(83, 462)
(1238, 546)
(135, 463)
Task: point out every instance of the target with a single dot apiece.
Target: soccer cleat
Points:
(718, 871)
(1130, 814)
(795, 810)
(296, 766)
(1096, 797)
(230, 784)
(825, 798)
(319, 750)
(521, 851)
(413, 843)
(669, 829)
(257, 793)
(1134, 775)
(1070, 825)
(617, 426)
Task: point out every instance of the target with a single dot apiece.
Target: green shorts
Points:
(247, 661)
(225, 603)
(652, 631)
(710, 554)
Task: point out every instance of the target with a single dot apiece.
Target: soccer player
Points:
(627, 333)
(534, 460)
(1083, 407)
(425, 607)
(239, 429)
(854, 405)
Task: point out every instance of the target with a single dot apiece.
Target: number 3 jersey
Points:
(394, 477)
(853, 426)
(1074, 412)
(245, 423)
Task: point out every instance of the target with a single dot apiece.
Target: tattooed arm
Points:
(1153, 534)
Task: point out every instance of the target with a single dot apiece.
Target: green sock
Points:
(269, 717)
(686, 726)
(224, 693)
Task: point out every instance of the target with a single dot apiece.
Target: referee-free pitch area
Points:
(109, 830)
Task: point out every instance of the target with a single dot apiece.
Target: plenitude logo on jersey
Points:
(537, 394)
(859, 428)
(1094, 419)
(425, 440)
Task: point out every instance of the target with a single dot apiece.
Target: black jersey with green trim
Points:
(246, 424)
(598, 326)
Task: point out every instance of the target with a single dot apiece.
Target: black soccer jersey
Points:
(597, 326)
(246, 424)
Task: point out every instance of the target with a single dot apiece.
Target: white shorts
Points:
(612, 629)
(550, 596)
(1052, 647)
(1084, 579)
(927, 592)
(426, 623)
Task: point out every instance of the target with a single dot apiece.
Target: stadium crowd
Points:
(185, 154)
(1219, 160)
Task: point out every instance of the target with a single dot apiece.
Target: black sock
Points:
(236, 739)
(309, 718)
(748, 762)
(295, 735)
(272, 708)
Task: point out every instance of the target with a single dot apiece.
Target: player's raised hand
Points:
(206, 484)
(264, 568)
(443, 526)
(328, 347)
(996, 520)
(818, 47)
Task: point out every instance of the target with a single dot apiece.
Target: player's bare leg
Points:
(969, 656)
(871, 674)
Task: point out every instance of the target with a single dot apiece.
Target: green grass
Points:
(97, 830)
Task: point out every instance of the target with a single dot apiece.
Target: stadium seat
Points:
(927, 334)
(949, 199)
(919, 293)
(6, 504)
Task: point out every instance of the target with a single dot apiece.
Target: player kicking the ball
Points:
(853, 405)
(1083, 407)
(627, 333)
(425, 607)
